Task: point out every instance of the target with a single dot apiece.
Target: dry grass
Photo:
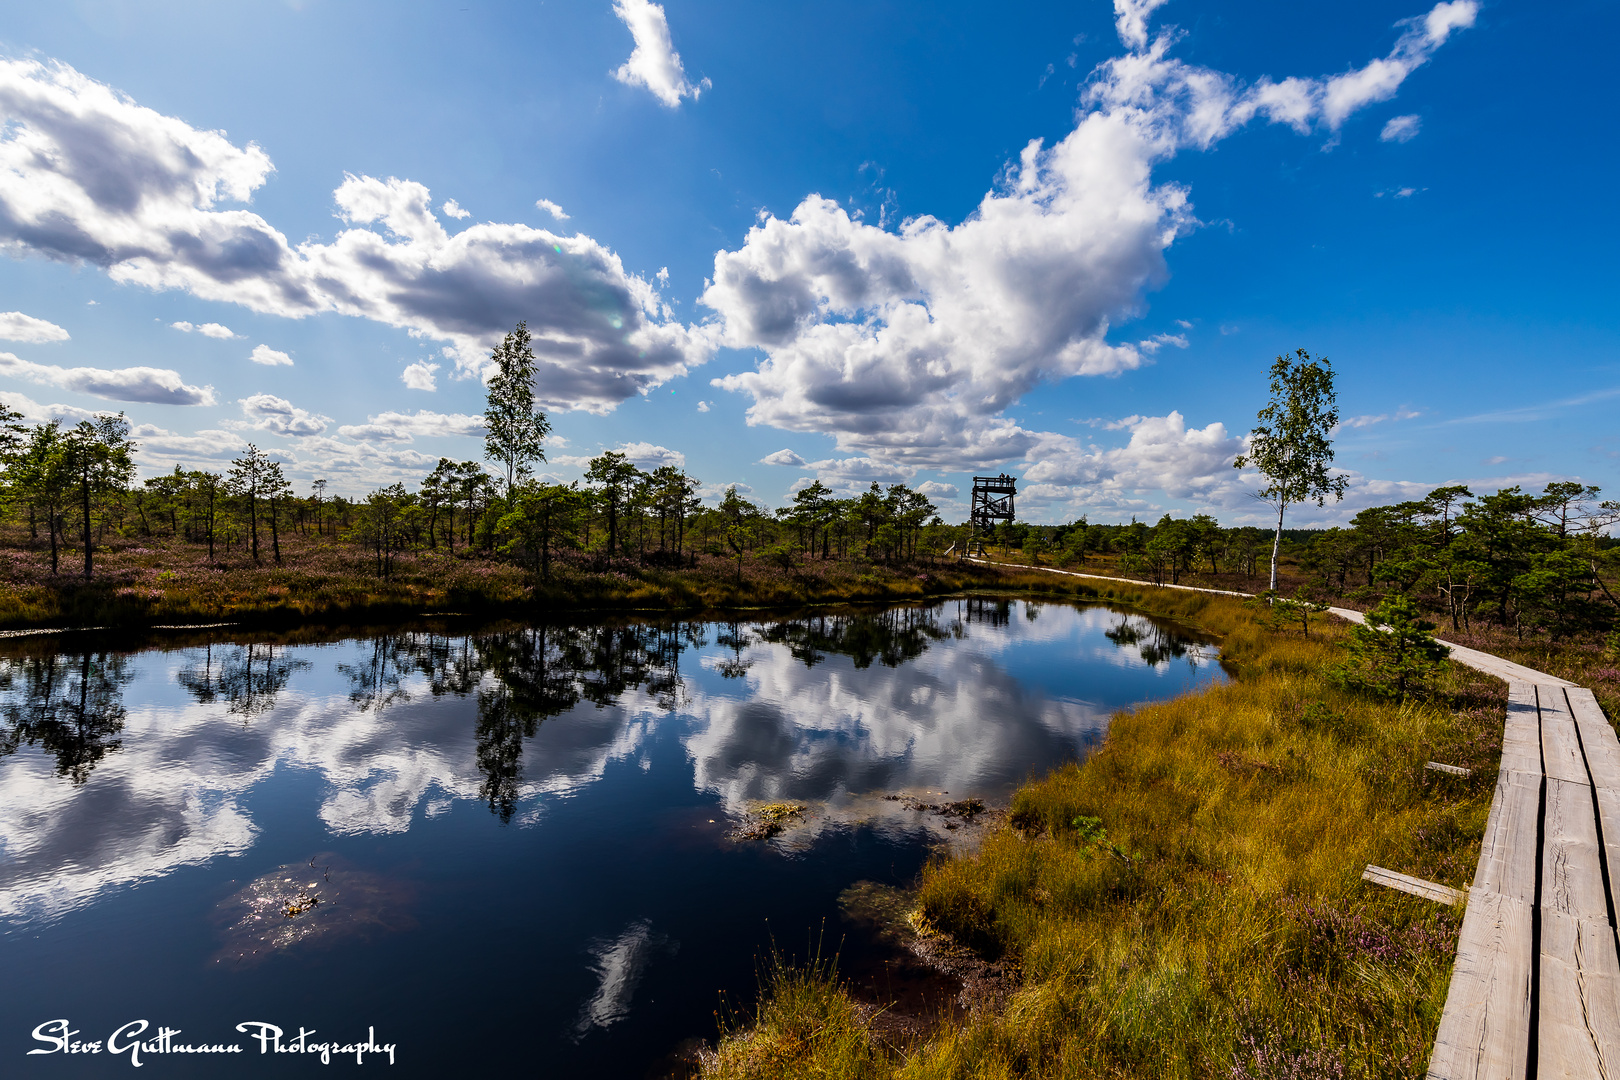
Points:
(162, 581)
(159, 581)
(1188, 902)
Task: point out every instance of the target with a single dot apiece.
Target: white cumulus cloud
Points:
(782, 457)
(935, 490)
(266, 412)
(651, 456)
(419, 376)
(405, 427)
(909, 346)
(264, 354)
(35, 413)
(158, 386)
(1163, 455)
(207, 329)
(15, 326)
(453, 209)
(654, 63)
(847, 476)
(643, 455)
(551, 208)
(89, 176)
(1159, 341)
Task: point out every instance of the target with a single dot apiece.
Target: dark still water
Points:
(506, 850)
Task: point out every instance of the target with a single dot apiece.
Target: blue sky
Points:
(815, 241)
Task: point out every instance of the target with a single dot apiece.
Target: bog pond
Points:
(502, 849)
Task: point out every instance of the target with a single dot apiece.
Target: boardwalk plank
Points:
(1571, 871)
(1578, 1021)
(1416, 886)
(1485, 1028)
(1521, 736)
(1597, 738)
(1603, 760)
(1508, 855)
(1561, 756)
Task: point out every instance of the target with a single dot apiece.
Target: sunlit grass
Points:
(806, 1026)
(1188, 902)
(164, 581)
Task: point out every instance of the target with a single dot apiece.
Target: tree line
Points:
(1531, 561)
(1524, 560)
(77, 488)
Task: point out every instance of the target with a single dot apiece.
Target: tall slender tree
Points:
(317, 492)
(41, 474)
(275, 490)
(1292, 446)
(248, 477)
(98, 458)
(515, 431)
(208, 488)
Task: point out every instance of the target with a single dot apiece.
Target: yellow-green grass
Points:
(1211, 922)
(809, 1029)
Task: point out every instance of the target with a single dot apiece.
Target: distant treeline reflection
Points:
(70, 705)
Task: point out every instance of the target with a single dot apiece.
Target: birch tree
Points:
(515, 430)
(1292, 446)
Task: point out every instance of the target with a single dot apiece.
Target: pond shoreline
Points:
(147, 589)
(397, 802)
(289, 626)
(1187, 901)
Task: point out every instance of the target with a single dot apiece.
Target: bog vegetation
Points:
(1188, 902)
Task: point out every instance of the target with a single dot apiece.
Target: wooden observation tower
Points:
(992, 502)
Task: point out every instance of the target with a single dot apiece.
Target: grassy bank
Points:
(320, 580)
(1188, 903)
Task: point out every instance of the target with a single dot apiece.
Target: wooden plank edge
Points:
(1485, 1025)
(1428, 890)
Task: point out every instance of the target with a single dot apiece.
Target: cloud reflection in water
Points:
(400, 727)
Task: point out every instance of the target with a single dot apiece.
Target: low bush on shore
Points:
(1188, 902)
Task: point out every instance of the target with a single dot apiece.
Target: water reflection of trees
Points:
(533, 680)
(248, 678)
(732, 636)
(1155, 643)
(891, 637)
(523, 677)
(986, 610)
(70, 706)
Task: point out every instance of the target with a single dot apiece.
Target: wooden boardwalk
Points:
(1536, 987)
(1535, 991)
